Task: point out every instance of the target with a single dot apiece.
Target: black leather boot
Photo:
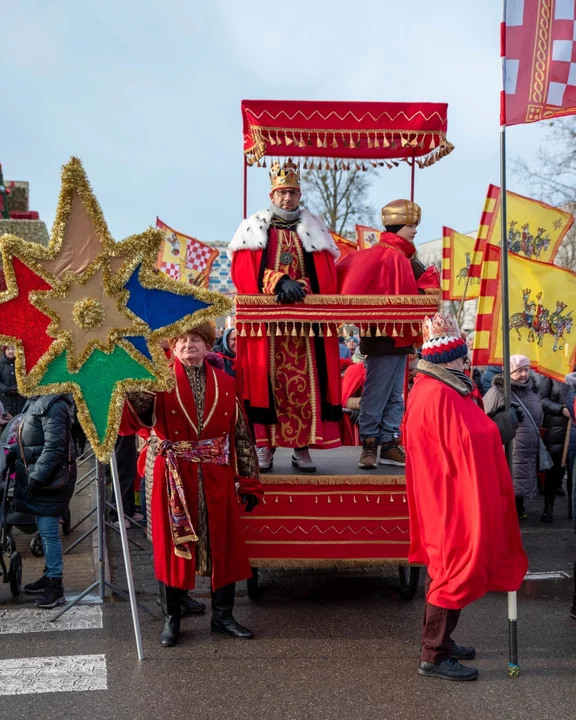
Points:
(189, 606)
(222, 620)
(170, 601)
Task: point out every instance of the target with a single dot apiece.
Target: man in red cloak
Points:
(389, 267)
(290, 384)
(463, 522)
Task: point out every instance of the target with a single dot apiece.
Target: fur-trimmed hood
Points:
(533, 383)
(253, 234)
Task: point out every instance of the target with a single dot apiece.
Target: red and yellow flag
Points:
(538, 44)
(366, 236)
(183, 258)
(535, 229)
(345, 245)
(457, 253)
(542, 305)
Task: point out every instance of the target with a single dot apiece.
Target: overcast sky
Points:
(147, 93)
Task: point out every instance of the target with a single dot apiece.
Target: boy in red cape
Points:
(389, 267)
(463, 522)
(290, 384)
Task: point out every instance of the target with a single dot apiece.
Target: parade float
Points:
(343, 516)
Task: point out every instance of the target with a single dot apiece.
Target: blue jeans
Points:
(382, 405)
(49, 528)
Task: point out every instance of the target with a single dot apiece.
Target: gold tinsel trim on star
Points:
(117, 261)
(132, 326)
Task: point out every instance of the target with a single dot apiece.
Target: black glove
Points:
(289, 291)
(251, 501)
(517, 411)
(11, 391)
(354, 417)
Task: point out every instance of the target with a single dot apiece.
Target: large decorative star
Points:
(87, 314)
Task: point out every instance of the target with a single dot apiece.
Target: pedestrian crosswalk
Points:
(62, 673)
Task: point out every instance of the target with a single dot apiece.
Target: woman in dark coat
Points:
(525, 391)
(9, 397)
(555, 423)
(45, 478)
(225, 347)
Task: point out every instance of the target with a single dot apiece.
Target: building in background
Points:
(220, 277)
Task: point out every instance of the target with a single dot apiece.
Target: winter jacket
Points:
(553, 393)
(570, 400)
(46, 440)
(229, 358)
(488, 375)
(527, 439)
(9, 397)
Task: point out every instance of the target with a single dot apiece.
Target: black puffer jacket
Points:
(46, 440)
(553, 393)
(9, 397)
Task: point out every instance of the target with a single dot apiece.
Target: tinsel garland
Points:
(102, 370)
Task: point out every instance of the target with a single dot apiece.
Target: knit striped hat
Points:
(442, 340)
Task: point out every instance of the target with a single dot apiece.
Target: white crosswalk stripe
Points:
(29, 620)
(68, 673)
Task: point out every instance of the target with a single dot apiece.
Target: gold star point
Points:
(87, 314)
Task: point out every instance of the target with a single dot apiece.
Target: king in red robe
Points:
(463, 522)
(290, 384)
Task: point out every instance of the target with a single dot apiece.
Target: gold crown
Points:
(440, 326)
(285, 176)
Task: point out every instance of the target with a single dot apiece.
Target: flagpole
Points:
(513, 667)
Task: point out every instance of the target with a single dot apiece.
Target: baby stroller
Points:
(25, 523)
(11, 573)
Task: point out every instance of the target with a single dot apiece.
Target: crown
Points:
(440, 326)
(285, 176)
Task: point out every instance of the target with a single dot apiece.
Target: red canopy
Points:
(375, 131)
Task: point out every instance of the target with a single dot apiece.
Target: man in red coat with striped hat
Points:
(290, 383)
(463, 523)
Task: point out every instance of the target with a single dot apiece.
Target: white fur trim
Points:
(252, 234)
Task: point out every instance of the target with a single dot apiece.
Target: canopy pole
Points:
(413, 179)
(245, 208)
(513, 667)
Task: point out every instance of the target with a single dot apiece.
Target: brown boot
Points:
(369, 456)
(392, 454)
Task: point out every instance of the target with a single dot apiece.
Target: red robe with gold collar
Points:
(176, 420)
(290, 385)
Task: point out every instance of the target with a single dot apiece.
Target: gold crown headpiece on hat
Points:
(285, 176)
(439, 326)
(401, 212)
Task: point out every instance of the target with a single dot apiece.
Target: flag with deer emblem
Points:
(535, 229)
(542, 305)
(183, 258)
(457, 252)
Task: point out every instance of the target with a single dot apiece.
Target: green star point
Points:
(97, 383)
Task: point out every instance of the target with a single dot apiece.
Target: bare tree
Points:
(553, 178)
(340, 197)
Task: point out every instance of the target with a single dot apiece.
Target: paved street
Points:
(330, 644)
